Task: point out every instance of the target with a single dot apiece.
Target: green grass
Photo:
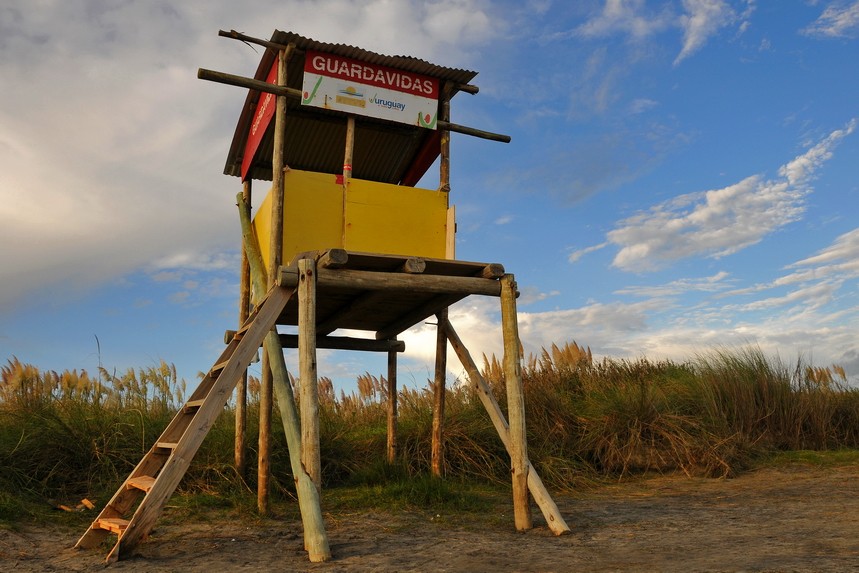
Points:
(810, 458)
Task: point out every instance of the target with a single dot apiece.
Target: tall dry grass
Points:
(71, 433)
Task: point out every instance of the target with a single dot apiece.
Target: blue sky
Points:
(682, 176)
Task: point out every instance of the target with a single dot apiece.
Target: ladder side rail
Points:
(174, 469)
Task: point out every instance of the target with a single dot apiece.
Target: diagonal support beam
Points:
(535, 485)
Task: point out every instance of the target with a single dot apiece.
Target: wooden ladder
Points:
(155, 478)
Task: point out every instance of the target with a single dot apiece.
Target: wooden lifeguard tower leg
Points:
(515, 404)
(392, 406)
(440, 389)
(310, 455)
(240, 449)
(547, 506)
(315, 537)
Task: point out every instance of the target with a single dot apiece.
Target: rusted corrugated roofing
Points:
(315, 138)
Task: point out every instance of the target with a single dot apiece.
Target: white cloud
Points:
(578, 254)
(715, 283)
(625, 16)
(702, 20)
(722, 221)
(111, 150)
(845, 248)
(838, 20)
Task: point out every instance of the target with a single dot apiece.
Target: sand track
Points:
(796, 519)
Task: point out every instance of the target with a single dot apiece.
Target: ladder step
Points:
(113, 524)
(193, 405)
(166, 445)
(143, 483)
(216, 369)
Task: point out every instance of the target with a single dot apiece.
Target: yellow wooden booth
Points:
(343, 239)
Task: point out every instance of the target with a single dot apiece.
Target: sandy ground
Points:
(796, 519)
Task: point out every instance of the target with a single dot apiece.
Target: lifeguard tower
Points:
(343, 240)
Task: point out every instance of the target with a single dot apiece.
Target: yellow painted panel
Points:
(312, 213)
(380, 218)
(392, 219)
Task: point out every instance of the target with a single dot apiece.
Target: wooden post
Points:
(437, 459)
(439, 390)
(310, 455)
(240, 450)
(347, 170)
(444, 152)
(515, 404)
(315, 537)
(276, 254)
(544, 501)
(392, 406)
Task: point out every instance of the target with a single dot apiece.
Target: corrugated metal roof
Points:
(315, 138)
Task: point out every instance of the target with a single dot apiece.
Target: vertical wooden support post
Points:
(439, 390)
(310, 455)
(240, 450)
(392, 406)
(275, 256)
(315, 537)
(444, 157)
(437, 458)
(347, 170)
(515, 404)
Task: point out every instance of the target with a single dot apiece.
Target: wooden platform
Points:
(386, 294)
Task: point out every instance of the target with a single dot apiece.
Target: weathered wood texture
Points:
(159, 472)
(315, 537)
(310, 455)
(374, 281)
(234, 80)
(276, 251)
(392, 407)
(384, 293)
(541, 495)
(240, 448)
(439, 393)
(515, 404)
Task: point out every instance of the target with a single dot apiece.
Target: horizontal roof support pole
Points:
(347, 343)
(241, 81)
(380, 281)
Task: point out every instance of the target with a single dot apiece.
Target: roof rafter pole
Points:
(251, 40)
(241, 81)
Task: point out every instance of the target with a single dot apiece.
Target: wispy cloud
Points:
(715, 283)
(722, 221)
(578, 254)
(702, 20)
(626, 17)
(838, 20)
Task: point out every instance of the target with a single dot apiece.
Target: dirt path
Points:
(799, 519)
